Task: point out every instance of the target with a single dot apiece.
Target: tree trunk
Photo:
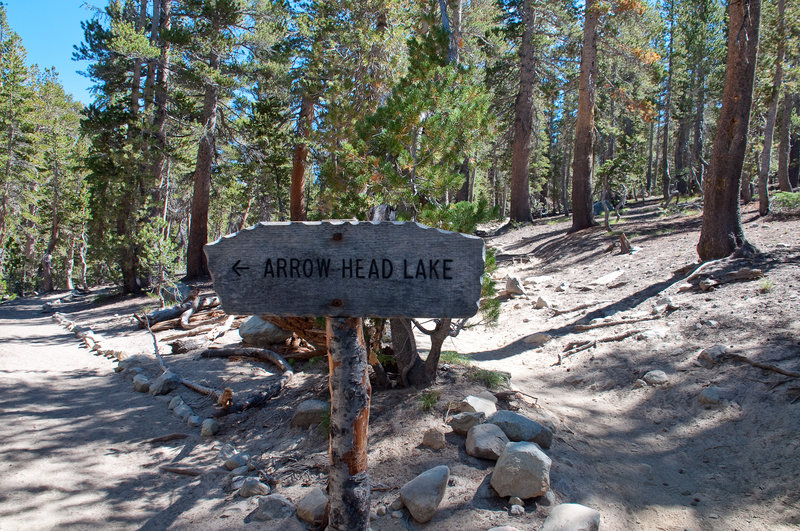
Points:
(152, 64)
(196, 264)
(348, 477)
(649, 178)
(299, 159)
(794, 147)
(523, 121)
(783, 145)
(161, 89)
(69, 264)
(721, 232)
(582, 166)
(665, 173)
(698, 169)
(46, 265)
(772, 114)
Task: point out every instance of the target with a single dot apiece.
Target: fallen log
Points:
(306, 328)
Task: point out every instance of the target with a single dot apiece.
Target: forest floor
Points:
(77, 449)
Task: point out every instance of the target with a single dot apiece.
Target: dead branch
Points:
(185, 316)
(572, 344)
(188, 333)
(692, 275)
(624, 244)
(604, 324)
(764, 366)
(577, 348)
(166, 438)
(576, 308)
(219, 331)
(304, 327)
(155, 347)
(620, 337)
(185, 471)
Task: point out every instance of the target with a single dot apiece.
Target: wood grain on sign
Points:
(348, 269)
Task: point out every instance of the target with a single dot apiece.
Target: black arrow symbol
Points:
(236, 268)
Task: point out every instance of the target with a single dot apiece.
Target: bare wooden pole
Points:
(348, 479)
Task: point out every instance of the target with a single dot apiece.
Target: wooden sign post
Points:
(346, 271)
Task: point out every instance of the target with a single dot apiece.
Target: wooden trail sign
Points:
(348, 269)
(345, 271)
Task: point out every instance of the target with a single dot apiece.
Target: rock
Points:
(547, 499)
(236, 461)
(541, 303)
(176, 401)
(209, 427)
(423, 494)
(523, 470)
(194, 421)
(486, 441)
(253, 487)
(564, 286)
(434, 438)
(183, 412)
(381, 510)
(276, 509)
(312, 507)
(488, 395)
(520, 428)
(397, 514)
(396, 505)
(572, 517)
(514, 286)
(608, 279)
(239, 472)
(656, 377)
(710, 356)
(310, 412)
(141, 383)
(517, 510)
(462, 422)
(260, 333)
(504, 528)
(639, 383)
(179, 346)
(710, 396)
(514, 500)
(165, 383)
(476, 404)
(237, 482)
(227, 451)
(538, 339)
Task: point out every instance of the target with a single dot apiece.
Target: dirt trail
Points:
(73, 449)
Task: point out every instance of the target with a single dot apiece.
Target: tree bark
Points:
(772, 114)
(348, 477)
(665, 173)
(300, 157)
(794, 147)
(721, 232)
(783, 145)
(196, 264)
(523, 121)
(583, 162)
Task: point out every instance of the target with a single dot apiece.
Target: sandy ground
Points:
(74, 445)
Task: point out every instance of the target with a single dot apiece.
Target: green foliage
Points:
(429, 398)
(458, 217)
(786, 202)
(491, 379)
(765, 285)
(454, 358)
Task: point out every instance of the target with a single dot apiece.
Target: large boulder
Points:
(486, 441)
(260, 333)
(523, 470)
(423, 494)
(520, 428)
(572, 517)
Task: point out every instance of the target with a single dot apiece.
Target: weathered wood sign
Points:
(348, 269)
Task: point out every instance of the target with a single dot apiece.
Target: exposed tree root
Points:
(185, 471)
(764, 366)
(576, 308)
(604, 324)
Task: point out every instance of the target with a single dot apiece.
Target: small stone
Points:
(310, 412)
(517, 510)
(194, 421)
(227, 451)
(639, 383)
(381, 510)
(520, 428)
(514, 286)
(165, 383)
(396, 505)
(572, 516)
(548, 499)
(523, 470)
(237, 482)
(397, 514)
(710, 396)
(486, 441)
(312, 507)
(656, 377)
(423, 494)
(241, 471)
(710, 356)
(434, 438)
(564, 286)
(209, 428)
(183, 412)
(176, 401)
(236, 461)
(253, 487)
(476, 404)
(538, 339)
(462, 422)
(541, 303)
(274, 507)
(141, 383)
(514, 500)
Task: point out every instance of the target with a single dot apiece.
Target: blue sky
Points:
(49, 29)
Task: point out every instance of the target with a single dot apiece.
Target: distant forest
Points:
(211, 115)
